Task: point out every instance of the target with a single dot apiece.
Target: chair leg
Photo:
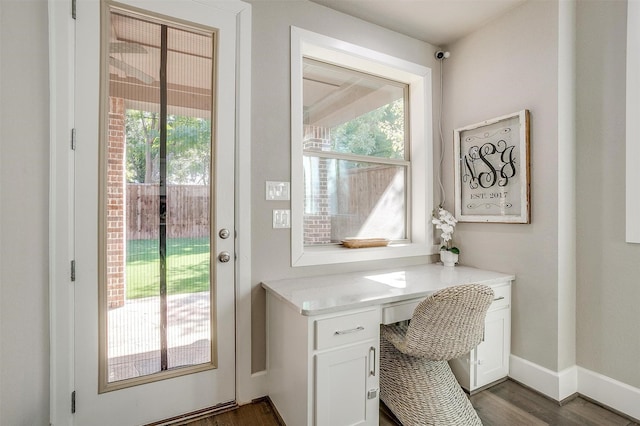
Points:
(421, 392)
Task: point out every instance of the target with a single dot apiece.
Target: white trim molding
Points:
(555, 385)
(249, 386)
(604, 390)
(609, 392)
(61, 250)
(633, 125)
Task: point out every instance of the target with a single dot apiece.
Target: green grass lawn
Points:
(187, 267)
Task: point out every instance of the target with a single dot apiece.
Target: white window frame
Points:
(419, 184)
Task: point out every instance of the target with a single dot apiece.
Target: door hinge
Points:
(73, 270)
(73, 9)
(73, 402)
(73, 139)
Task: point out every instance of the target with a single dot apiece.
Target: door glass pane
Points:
(189, 63)
(158, 177)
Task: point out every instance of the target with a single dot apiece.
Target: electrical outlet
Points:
(281, 219)
(277, 191)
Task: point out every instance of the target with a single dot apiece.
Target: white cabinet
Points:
(323, 370)
(347, 385)
(323, 337)
(489, 361)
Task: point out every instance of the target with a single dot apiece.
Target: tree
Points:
(377, 133)
(188, 148)
(143, 131)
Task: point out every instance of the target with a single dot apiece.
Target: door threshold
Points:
(197, 415)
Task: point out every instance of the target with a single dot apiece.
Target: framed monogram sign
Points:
(492, 170)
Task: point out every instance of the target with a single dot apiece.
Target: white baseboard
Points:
(555, 385)
(560, 385)
(607, 391)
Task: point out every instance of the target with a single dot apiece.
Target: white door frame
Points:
(61, 293)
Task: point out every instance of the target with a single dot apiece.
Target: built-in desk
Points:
(323, 338)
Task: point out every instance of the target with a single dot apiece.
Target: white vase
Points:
(448, 258)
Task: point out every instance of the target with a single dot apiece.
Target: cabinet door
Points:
(347, 386)
(463, 368)
(492, 355)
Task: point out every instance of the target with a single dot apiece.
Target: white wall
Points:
(608, 339)
(509, 65)
(271, 130)
(24, 172)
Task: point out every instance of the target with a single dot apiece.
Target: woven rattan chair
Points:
(416, 382)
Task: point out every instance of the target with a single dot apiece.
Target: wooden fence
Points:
(187, 211)
(188, 206)
(361, 191)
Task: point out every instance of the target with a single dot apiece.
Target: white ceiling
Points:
(438, 22)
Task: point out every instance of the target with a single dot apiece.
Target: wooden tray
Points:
(365, 242)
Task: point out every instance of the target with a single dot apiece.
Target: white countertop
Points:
(333, 293)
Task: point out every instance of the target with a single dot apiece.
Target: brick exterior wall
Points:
(317, 225)
(116, 256)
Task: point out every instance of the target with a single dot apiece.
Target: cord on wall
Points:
(441, 56)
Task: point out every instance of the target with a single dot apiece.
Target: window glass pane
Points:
(346, 199)
(354, 112)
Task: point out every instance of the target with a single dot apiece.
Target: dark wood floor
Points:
(505, 404)
(509, 403)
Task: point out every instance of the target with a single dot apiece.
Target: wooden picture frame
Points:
(492, 170)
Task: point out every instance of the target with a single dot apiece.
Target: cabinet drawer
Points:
(501, 297)
(345, 329)
(399, 311)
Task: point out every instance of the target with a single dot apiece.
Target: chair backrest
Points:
(448, 323)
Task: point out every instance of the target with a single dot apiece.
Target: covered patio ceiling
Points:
(134, 57)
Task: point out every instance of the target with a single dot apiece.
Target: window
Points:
(361, 152)
(355, 161)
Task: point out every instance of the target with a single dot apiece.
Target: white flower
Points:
(446, 223)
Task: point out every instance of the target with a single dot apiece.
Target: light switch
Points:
(277, 191)
(282, 219)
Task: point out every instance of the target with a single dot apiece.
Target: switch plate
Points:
(279, 191)
(281, 219)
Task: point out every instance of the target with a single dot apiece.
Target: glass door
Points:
(154, 327)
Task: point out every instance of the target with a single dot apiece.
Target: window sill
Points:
(338, 254)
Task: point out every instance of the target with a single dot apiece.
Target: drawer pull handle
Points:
(498, 298)
(351, 330)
